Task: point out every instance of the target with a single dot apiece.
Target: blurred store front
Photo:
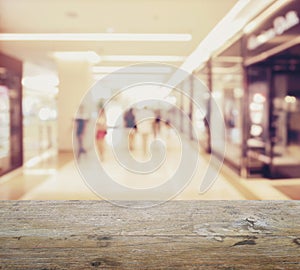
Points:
(28, 115)
(254, 79)
(39, 111)
(228, 92)
(272, 60)
(201, 98)
(11, 147)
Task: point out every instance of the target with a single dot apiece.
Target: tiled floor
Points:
(293, 191)
(58, 178)
(18, 183)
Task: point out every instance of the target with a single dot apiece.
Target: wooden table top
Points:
(174, 235)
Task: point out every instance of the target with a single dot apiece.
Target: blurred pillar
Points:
(75, 80)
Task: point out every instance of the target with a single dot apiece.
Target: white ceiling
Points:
(196, 17)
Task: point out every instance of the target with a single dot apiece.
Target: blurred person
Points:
(101, 131)
(80, 122)
(130, 125)
(145, 119)
(156, 123)
(168, 129)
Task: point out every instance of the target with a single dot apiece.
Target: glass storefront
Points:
(274, 113)
(11, 154)
(39, 123)
(201, 108)
(273, 78)
(285, 112)
(4, 122)
(257, 130)
(228, 93)
(186, 106)
(40, 89)
(173, 115)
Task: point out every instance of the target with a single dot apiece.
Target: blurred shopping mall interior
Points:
(199, 99)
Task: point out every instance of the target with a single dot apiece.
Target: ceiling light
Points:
(257, 21)
(89, 56)
(93, 37)
(41, 83)
(143, 58)
(50, 80)
(116, 77)
(132, 70)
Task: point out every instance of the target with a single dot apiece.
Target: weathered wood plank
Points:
(177, 234)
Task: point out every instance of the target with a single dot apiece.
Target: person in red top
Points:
(101, 128)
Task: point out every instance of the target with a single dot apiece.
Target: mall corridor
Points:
(57, 177)
(142, 100)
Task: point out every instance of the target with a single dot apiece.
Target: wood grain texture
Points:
(175, 235)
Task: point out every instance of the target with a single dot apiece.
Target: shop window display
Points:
(11, 152)
(228, 92)
(201, 108)
(4, 122)
(40, 125)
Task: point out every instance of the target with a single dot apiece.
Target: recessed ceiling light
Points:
(143, 58)
(110, 30)
(132, 70)
(93, 57)
(93, 37)
(117, 78)
(80, 55)
(41, 84)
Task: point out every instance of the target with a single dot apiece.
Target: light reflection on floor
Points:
(57, 178)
